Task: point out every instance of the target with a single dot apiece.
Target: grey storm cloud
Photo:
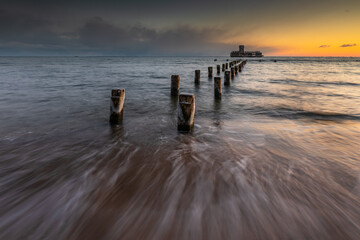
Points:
(324, 46)
(26, 32)
(26, 28)
(99, 34)
(349, 45)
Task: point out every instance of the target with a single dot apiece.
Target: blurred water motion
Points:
(276, 158)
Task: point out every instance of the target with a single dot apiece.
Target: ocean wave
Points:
(299, 82)
(290, 113)
(158, 77)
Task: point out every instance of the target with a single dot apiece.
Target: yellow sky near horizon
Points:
(305, 36)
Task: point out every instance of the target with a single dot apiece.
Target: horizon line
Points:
(170, 56)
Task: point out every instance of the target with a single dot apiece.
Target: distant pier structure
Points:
(243, 53)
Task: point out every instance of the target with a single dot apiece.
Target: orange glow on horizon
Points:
(304, 37)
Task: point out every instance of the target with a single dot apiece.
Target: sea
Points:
(278, 157)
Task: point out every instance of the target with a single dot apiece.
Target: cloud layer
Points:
(159, 27)
(25, 34)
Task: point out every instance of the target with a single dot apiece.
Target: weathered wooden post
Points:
(218, 69)
(210, 72)
(227, 80)
(217, 87)
(186, 112)
(223, 67)
(175, 85)
(226, 66)
(236, 69)
(232, 73)
(240, 67)
(197, 76)
(117, 105)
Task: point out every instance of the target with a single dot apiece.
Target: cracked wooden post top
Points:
(117, 105)
(186, 112)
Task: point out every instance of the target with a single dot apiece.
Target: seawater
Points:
(277, 158)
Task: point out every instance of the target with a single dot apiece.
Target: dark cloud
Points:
(25, 28)
(25, 34)
(349, 45)
(179, 39)
(324, 46)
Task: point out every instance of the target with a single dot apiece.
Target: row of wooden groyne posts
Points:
(186, 102)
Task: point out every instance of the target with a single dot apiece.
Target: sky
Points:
(173, 28)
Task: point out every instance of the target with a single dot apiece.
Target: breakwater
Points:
(275, 158)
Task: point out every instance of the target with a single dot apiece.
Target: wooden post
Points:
(236, 69)
(117, 105)
(210, 72)
(197, 76)
(175, 85)
(227, 80)
(223, 67)
(217, 87)
(240, 67)
(232, 72)
(226, 66)
(218, 69)
(186, 112)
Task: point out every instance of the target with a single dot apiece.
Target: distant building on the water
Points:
(243, 53)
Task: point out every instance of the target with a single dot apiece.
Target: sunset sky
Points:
(160, 27)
